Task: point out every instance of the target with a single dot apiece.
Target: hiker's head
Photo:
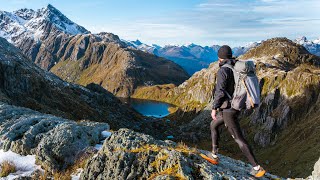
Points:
(224, 52)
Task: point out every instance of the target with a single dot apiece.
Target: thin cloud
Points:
(231, 22)
(237, 21)
(153, 32)
(19, 2)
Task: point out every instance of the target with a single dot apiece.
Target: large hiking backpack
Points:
(247, 91)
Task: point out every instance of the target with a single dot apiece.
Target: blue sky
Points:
(204, 22)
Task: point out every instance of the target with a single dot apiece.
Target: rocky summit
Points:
(290, 83)
(24, 24)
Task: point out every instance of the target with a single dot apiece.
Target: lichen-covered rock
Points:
(130, 155)
(55, 141)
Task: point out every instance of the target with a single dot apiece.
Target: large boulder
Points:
(131, 155)
(55, 141)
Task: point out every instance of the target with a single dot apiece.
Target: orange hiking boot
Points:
(258, 173)
(212, 158)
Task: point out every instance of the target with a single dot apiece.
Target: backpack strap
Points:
(249, 97)
(230, 67)
(228, 95)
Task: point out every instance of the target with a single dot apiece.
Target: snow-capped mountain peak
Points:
(53, 15)
(302, 40)
(317, 41)
(27, 23)
(312, 46)
(137, 42)
(190, 44)
(25, 13)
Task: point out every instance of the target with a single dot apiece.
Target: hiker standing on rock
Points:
(223, 111)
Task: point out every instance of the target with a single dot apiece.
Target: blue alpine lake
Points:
(148, 107)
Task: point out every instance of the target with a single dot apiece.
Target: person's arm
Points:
(219, 94)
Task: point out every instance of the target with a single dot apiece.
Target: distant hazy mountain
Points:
(194, 57)
(191, 57)
(240, 50)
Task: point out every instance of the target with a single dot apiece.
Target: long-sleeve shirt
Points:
(224, 85)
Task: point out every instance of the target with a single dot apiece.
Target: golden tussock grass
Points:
(6, 168)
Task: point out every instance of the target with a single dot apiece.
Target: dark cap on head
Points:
(225, 52)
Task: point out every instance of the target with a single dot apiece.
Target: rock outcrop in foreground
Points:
(130, 155)
(56, 142)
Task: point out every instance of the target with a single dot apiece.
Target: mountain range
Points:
(27, 27)
(194, 57)
(57, 44)
(191, 57)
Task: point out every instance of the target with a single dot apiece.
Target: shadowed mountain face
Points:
(22, 83)
(55, 43)
(290, 84)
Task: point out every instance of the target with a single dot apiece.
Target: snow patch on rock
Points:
(76, 175)
(25, 165)
(105, 134)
